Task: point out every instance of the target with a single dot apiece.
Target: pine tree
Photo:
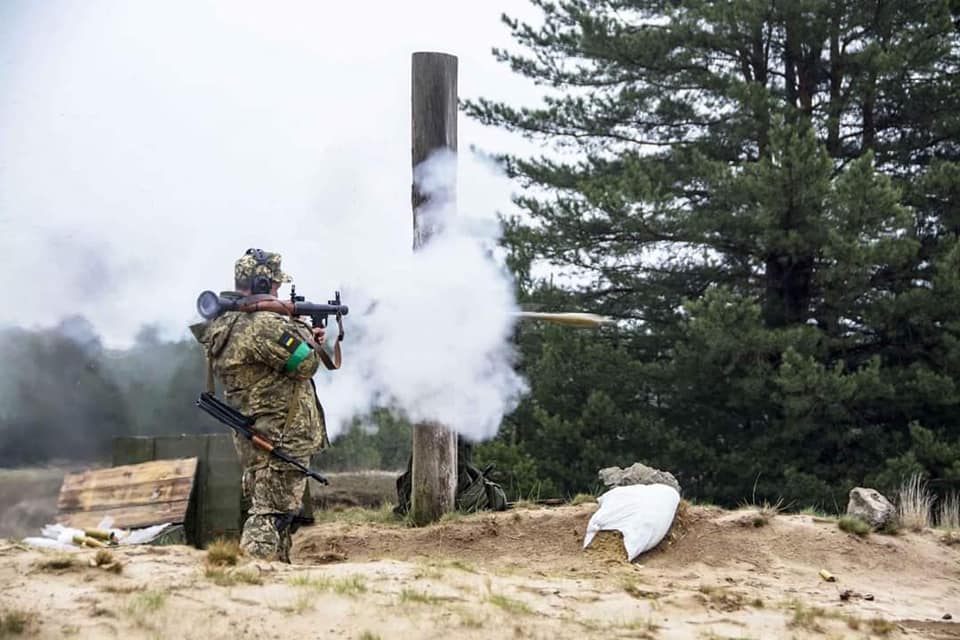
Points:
(764, 192)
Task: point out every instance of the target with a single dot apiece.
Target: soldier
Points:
(266, 362)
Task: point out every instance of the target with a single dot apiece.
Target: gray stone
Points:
(637, 473)
(871, 506)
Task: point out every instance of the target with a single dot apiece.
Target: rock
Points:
(637, 473)
(870, 506)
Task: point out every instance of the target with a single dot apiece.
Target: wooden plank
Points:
(156, 470)
(133, 495)
(130, 484)
(128, 495)
(128, 517)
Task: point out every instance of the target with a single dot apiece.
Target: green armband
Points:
(299, 355)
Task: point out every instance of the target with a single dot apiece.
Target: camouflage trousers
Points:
(273, 496)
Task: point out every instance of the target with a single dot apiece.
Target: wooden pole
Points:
(434, 128)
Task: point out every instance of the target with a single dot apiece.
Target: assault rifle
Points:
(243, 425)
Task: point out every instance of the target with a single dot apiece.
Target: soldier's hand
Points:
(319, 334)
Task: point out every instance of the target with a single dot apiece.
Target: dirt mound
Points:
(552, 538)
(515, 537)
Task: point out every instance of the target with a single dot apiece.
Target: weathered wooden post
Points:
(434, 128)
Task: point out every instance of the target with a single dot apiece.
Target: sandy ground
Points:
(518, 574)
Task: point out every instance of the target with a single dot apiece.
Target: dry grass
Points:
(420, 597)
(583, 498)
(125, 589)
(142, 605)
(948, 512)
(510, 605)
(722, 597)
(914, 504)
(301, 604)
(763, 513)
(222, 552)
(809, 618)
(224, 577)
(359, 515)
(881, 627)
(15, 622)
(636, 591)
(817, 513)
(348, 586)
(855, 525)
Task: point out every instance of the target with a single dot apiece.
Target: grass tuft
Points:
(722, 597)
(15, 622)
(817, 512)
(948, 512)
(223, 577)
(359, 515)
(223, 552)
(302, 603)
(349, 586)
(763, 513)
(914, 503)
(421, 597)
(463, 566)
(583, 498)
(807, 618)
(510, 605)
(855, 525)
(636, 591)
(140, 606)
(316, 583)
(881, 627)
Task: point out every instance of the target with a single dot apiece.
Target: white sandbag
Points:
(643, 513)
(49, 543)
(141, 536)
(60, 533)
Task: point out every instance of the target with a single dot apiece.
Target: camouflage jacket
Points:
(266, 367)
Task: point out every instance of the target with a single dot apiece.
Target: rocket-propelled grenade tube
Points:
(210, 305)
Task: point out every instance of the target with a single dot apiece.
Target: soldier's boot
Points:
(268, 536)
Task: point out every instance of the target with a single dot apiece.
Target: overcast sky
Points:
(144, 145)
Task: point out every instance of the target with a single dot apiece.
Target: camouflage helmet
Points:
(255, 263)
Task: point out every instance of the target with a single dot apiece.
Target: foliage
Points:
(853, 524)
(765, 195)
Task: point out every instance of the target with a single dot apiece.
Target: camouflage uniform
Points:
(266, 366)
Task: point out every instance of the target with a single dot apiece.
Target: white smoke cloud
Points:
(435, 341)
(147, 145)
